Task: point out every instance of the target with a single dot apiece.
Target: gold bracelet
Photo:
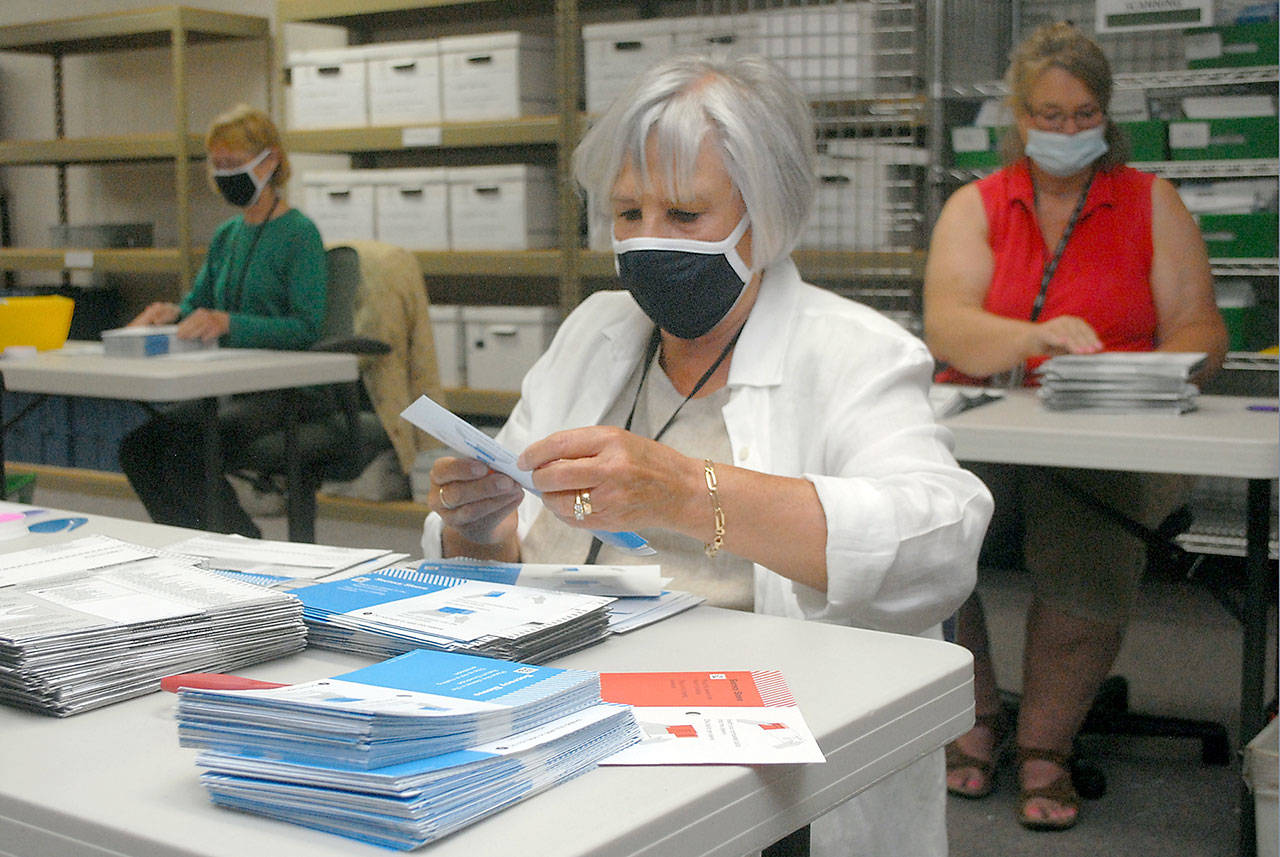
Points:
(716, 543)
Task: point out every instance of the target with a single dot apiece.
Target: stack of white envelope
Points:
(405, 751)
(1121, 382)
(96, 620)
(389, 612)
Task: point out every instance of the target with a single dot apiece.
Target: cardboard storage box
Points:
(411, 207)
(1223, 139)
(733, 34)
(340, 202)
(506, 207)
(404, 82)
(503, 342)
(1240, 236)
(496, 76)
(446, 333)
(869, 197)
(327, 88)
(614, 54)
(1230, 47)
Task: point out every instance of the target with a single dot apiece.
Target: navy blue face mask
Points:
(687, 287)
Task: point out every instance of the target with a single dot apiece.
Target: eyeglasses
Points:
(1055, 120)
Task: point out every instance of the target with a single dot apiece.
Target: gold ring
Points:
(581, 505)
(443, 504)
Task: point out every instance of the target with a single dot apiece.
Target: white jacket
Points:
(820, 387)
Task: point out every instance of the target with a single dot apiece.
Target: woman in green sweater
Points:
(262, 285)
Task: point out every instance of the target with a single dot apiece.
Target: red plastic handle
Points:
(213, 681)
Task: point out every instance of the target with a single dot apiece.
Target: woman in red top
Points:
(1065, 250)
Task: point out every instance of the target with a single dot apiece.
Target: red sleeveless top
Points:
(1104, 275)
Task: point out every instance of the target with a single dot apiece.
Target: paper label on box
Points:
(78, 259)
(426, 136)
(1188, 135)
(1202, 46)
(967, 139)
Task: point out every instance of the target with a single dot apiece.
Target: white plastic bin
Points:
(340, 202)
(327, 88)
(506, 207)
(1260, 770)
(504, 342)
(614, 54)
(411, 207)
(496, 76)
(404, 82)
(446, 332)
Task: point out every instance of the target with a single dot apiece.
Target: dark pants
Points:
(164, 459)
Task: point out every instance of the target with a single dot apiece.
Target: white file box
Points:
(404, 82)
(614, 54)
(507, 207)
(340, 202)
(446, 333)
(411, 207)
(504, 342)
(496, 76)
(868, 197)
(709, 34)
(327, 88)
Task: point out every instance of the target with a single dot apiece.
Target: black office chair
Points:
(339, 445)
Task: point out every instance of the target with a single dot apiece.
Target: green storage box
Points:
(1240, 236)
(1223, 139)
(1239, 308)
(975, 148)
(1148, 141)
(1232, 47)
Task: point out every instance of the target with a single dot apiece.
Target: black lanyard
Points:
(1057, 253)
(654, 341)
(233, 297)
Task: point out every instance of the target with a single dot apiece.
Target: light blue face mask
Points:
(1065, 155)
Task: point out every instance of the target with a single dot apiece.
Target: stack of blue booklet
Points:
(389, 612)
(404, 752)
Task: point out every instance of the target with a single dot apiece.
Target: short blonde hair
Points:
(250, 130)
(1065, 46)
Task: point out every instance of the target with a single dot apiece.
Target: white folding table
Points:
(1228, 436)
(81, 369)
(114, 781)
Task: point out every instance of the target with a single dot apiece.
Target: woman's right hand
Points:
(1064, 334)
(160, 312)
(477, 502)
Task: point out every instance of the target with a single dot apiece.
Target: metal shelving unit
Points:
(174, 27)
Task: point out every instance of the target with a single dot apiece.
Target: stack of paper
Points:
(95, 621)
(403, 752)
(418, 704)
(393, 611)
(638, 590)
(280, 564)
(1121, 382)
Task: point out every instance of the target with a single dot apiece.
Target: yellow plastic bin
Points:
(40, 321)
(1261, 772)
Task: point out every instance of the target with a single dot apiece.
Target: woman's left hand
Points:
(629, 481)
(205, 324)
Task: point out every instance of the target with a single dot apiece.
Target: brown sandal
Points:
(1060, 791)
(958, 759)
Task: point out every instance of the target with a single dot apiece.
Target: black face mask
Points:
(241, 187)
(687, 287)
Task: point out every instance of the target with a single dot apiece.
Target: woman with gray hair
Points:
(772, 440)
